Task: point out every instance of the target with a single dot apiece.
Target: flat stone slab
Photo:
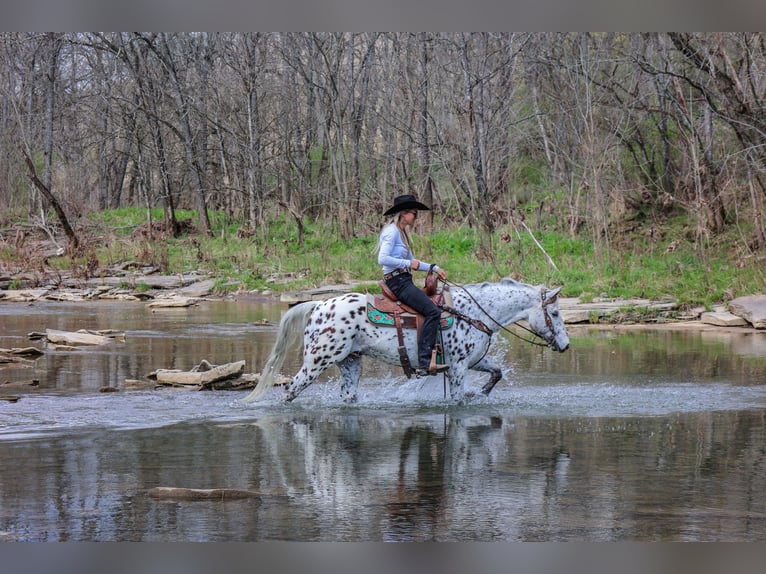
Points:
(198, 289)
(23, 295)
(722, 319)
(152, 281)
(752, 308)
(173, 302)
(574, 316)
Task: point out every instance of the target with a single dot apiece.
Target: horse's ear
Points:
(551, 295)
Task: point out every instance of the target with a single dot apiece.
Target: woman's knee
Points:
(433, 312)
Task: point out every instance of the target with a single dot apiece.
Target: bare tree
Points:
(727, 73)
(331, 126)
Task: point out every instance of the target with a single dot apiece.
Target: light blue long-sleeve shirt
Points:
(394, 253)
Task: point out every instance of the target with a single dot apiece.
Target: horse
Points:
(337, 332)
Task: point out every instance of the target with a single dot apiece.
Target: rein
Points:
(482, 327)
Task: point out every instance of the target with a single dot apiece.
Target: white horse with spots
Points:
(337, 332)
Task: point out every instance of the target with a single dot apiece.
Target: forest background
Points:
(612, 164)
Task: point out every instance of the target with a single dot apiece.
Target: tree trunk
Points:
(74, 242)
(54, 47)
(426, 178)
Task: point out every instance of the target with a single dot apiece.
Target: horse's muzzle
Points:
(556, 347)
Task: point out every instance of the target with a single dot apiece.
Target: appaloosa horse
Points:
(338, 332)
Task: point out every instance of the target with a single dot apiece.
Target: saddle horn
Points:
(432, 282)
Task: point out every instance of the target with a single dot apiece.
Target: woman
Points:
(398, 262)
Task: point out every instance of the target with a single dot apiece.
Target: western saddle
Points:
(386, 309)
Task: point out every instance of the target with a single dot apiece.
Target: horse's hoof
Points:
(350, 400)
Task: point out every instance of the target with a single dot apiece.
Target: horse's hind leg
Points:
(350, 369)
(299, 383)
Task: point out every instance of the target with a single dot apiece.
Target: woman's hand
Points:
(442, 274)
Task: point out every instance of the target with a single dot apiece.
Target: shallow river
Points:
(645, 435)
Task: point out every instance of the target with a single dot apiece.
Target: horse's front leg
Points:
(350, 370)
(455, 379)
(495, 374)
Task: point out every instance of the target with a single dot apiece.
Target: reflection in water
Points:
(629, 436)
(397, 476)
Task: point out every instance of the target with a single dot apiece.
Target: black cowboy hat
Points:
(403, 202)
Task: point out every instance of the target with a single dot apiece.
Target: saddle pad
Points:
(385, 316)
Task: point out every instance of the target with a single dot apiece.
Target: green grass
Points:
(690, 273)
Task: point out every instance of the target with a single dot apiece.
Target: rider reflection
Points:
(417, 508)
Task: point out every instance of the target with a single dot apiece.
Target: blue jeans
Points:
(406, 291)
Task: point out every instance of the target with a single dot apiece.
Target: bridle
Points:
(482, 327)
(547, 316)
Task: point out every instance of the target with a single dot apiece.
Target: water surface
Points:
(648, 435)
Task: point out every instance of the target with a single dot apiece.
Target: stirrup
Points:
(421, 372)
(435, 368)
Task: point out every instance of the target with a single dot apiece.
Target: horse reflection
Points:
(393, 479)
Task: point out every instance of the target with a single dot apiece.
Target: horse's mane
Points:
(506, 281)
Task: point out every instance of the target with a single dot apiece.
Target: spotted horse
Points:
(338, 332)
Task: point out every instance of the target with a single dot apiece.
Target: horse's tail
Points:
(291, 328)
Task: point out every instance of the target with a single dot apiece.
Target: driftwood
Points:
(10, 398)
(173, 493)
(201, 376)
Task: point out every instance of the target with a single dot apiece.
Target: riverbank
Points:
(189, 289)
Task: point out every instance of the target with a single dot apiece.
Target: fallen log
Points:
(10, 398)
(199, 378)
(189, 494)
(243, 382)
(203, 377)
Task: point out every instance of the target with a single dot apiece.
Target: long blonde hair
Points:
(395, 221)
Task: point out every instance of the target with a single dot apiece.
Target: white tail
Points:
(291, 328)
